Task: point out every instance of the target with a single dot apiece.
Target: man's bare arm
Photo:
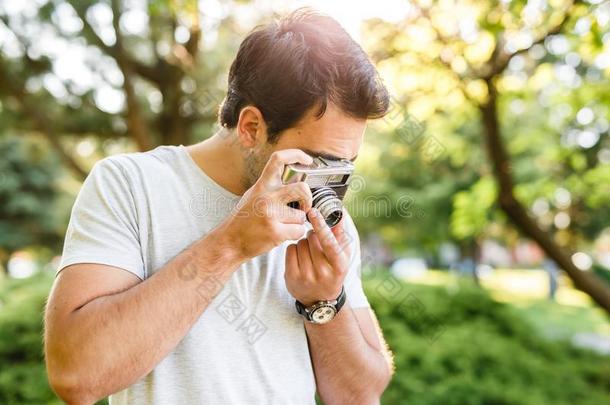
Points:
(350, 358)
(104, 331)
(351, 361)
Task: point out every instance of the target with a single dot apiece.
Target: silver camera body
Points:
(328, 180)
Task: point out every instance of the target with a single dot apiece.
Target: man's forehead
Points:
(327, 155)
(335, 135)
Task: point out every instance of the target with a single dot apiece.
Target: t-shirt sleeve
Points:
(353, 283)
(103, 225)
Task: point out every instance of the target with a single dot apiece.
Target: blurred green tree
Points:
(142, 72)
(529, 79)
(29, 198)
(142, 75)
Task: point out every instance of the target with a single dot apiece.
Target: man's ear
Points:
(251, 127)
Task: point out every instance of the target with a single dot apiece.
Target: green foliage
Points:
(554, 125)
(472, 209)
(461, 347)
(28, 194)
(457, 347)
(22, 371)
(23, 377)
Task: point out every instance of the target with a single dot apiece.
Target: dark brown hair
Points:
(305, 59)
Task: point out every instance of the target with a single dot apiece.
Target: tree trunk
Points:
(4, 258)
(171, 123)
(588, 282)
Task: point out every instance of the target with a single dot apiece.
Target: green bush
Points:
(23, 377)
(461, 347)
(457, 347)
(22, 372)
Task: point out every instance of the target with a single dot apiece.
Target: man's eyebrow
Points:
(326, 155)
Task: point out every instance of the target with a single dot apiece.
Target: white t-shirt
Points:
(137, 211)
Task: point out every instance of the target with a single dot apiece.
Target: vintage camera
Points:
(328, 180)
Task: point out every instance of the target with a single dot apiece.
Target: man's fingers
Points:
(331, 248)
(305, 262)
(292, 261)
(299, 192)
(342, 237)
(287, 215)
(291, 231)
(318, 257)
(271, 175)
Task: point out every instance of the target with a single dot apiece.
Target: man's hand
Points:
(354, 368)
(316, 266)
(262, 219)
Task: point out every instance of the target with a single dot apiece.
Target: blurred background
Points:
(482, 199)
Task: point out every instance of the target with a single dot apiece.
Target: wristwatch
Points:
(322, 311)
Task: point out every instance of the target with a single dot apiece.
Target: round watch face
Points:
(323, 314)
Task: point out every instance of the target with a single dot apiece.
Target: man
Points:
(181, 271)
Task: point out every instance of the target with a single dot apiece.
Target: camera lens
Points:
(326, 201)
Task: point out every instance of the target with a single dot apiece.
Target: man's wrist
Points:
(307, 302)
(222, 247)
(323, 311)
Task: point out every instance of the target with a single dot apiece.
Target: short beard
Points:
(254, 163)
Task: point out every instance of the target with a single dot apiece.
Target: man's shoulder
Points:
(136, 165)
(158, 158)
